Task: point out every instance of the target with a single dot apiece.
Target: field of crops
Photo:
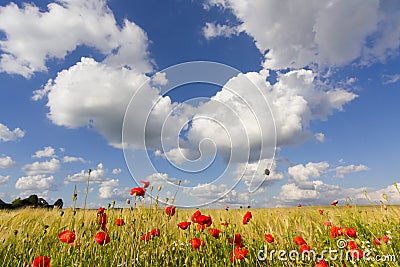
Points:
(156, 236)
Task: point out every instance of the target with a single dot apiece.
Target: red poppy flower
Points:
(41, 261)
(119, 222)
(269, 238)
(155, 232)
(224, 223)
(304, 248)
(351, 232)
(327, 223)
(196, 243)
(200, 227)
(351, 244)
(299, 205)
(102, 217)
(226, 207)
(184, 225)
(146, 237)
(386, 239)
(321, 212)
(195, 215)
(102, 238)
(214, 232)
(203, 220)
(67, 236)
(238, 254)
(335, 202)
(145, 183)
(100, 210)
(377, 241)
(247, 217)
(322, 263)
(170, 210)
(138, 191)
(237, 239)
(356, 253)
(298, 240)
(336, 231)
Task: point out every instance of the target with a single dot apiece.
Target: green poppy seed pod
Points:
(128, 201)
(166, 200)
(159, 188)
(89, 171)
(179, 182)
(151, 188)
(61, 213)
(385, 197)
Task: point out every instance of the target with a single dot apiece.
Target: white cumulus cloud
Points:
(6, 162)
(67, 159)
(10, 135)
(342, 171)
(44, 167)
(4, 179)
(35, 182)
(33, 36)
(48, 151)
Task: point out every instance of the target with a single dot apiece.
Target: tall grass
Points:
(27, 233)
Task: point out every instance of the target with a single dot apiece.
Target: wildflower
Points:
(227, 208)
(237, 239)
(196, 243)
(351, 232)
(269, 238)
(298, 240)
(321, 212)
(67, 236)
(336, 231)
(146, 237)
(119, 222)
(203, 220)
(247, 217)
(41, 261)
(356, 253)
(304, 248)
(138, 191)
(335, 202)
(100, 211)
(155, 232)
(351, 244)
(214, 232)
(327, 223)
(145, 183)
(224, 223)
(170, 210)
(377, 241)
(322, 263)
(299, 205)
(238, 254)
(195, 215)
(386, 239)
(102, 238)
(184, 225)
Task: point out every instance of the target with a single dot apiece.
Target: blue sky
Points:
(321, 79)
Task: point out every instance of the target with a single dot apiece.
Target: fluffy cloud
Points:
(320, 137)
(376, 195)
(292, 34)
(211, 30)
(43, 167)
(320, 194)
(48, 151)
(299, 174)
(103, 102)
(111, 190)
(97, 175)
(60, 29)
(4, 179)
(240, 124)
(7, 135)
(67, 159)
(342, 171)
(6, 162)
(35, 182)
(116, 171)
(157, 179)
